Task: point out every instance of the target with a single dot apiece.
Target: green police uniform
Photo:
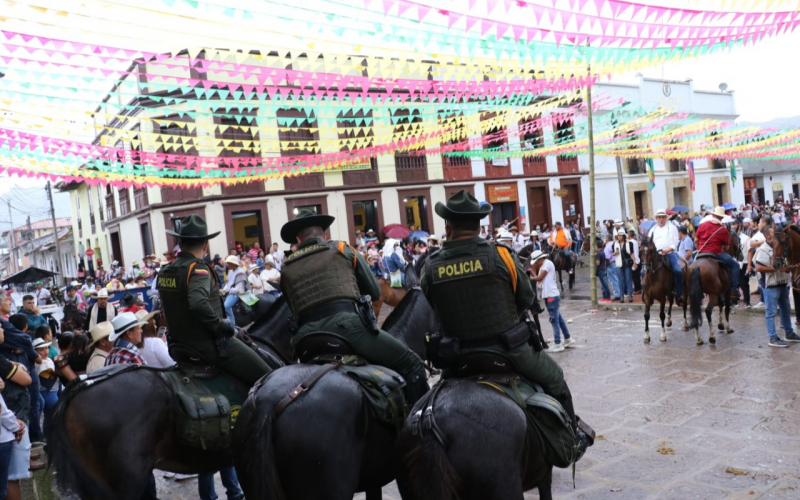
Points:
(469, 286)
(191, 301)
(326, 274)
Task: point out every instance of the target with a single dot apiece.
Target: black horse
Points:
(325, 444)
(110, 453)
(489, 453)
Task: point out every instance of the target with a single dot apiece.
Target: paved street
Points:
(676, 420)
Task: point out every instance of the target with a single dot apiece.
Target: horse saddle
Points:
(381, 387)
(706, 255)
(250, 313)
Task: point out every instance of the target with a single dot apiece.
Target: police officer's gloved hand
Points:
(225, 329)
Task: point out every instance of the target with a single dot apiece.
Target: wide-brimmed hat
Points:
(618, 222)
(152, 256)
(101, 294)
(303, 220)
(192, 227)
(747, 220)
(538, 254)
(128, 300)
(370, 231)
(122, 323)
(40, 343)
(253, 267)
(232, 260)
(622, 232)
(661, 212)
(719, 212)
(435, 238)
(463, 206)
(534, 233)
(75, 283)
(505, 235)
(137, 263)
(143, 315)
(100, 331)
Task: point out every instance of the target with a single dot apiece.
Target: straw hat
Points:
(143, 315)
(122, 323)
(718, 212)
(232, 260)
(101, 294)
(538, 254)
(100, 331)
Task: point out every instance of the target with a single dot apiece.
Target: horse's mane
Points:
(406, 315)
(794, 228)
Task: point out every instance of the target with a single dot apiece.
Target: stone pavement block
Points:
(648, 467)
(656, 413)
(693, 491)
(699, 398)
(687, 378)
(745, 404)
(648, 392)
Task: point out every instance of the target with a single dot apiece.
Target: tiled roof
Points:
(44, 224)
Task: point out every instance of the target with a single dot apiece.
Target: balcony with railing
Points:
(457, 168)
(567, 164)
(140, 198)
(411, 167)
(124, 202)
(111, 209)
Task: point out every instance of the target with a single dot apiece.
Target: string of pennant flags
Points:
(93, 90)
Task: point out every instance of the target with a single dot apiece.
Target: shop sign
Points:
(777, 186)
(502, 194)
(561, 192)
(500, 162)
(351, 167)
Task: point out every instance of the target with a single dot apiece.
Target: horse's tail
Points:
(432, 475)
(254, 452)
(61, 455)
(695, 299)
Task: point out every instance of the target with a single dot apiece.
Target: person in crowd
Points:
(393, 260)
(127, 334)
(42, 294)
(12, 431)
(254, 282)
(48, 381)
(371, 236)
(129, 303)
(191, 305)
(535, 243)
(560, 238)
(277, 256)
(43, 332)
(74, 357)
(100, 346)
(339, 277)
(154, 349)
(133, 272)
(517, 241)
(505, 238)
(374, 263)
(31, 312)
(99, 311)
(269, 275)
(744, 247)
(206, 490)
(543, 270)
(756, 241)
(602, 271)
(260, 261)
(685, 245)
(252, 254)
(578, 239)
(220, 269)
(776, 291)
(611, 267)
(73, 297)
(420, 250)
(235, 285)
(483, 234)
(434, 242)
(625, 260)
(635, 274)
(713, 237)
(16, 347)
(666, 240)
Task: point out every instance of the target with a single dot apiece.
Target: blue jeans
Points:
(5, 461)
(205, 485)
(36, 409)
(230, 301)
(49, 399)
(778, 298)
(602, 277)
(556, 319)
(677, 275)
(733, 266)
(613, 278)
(625, 282)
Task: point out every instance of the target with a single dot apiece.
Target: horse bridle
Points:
(648, 266)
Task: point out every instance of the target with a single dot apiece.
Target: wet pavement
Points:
(674, 420)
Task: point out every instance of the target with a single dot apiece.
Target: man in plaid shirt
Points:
(127, 333)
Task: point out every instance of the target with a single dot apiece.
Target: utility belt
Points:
(442, 350)
(363, 308)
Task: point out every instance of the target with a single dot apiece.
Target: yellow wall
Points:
(239, 232)
(413, 204)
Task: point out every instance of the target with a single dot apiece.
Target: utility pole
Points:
(60, 279)
(12, 239)
(621, 190)
(592, 222)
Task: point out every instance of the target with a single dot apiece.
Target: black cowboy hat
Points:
(192, 227)
(128, 300)
(461, 206)
(304, 219)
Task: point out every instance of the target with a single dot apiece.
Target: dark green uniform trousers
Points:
(380, 349)
(241, 362)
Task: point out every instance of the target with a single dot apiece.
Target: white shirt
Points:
(549, 286)
(277, 256)
(628, 244)
(155, 353)
(664, 237)
(518, 242)
(744, 245)
(269, 275)
(42, 296)
(236, 279)
(255, 283)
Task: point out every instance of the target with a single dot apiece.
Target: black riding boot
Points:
(583, 433)
(414, 390)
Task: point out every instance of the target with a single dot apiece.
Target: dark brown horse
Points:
(73, 319)
(707, 276)
(105, 440)
(657, 286)
(787, 246)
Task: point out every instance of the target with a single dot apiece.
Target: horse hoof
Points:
(647, 340)
(685, 328)
(700, 342)
(729, 330)
(669, 324)
(721, 327)
(712, 340)
(663, 339)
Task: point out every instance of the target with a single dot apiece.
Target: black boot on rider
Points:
(584, 434)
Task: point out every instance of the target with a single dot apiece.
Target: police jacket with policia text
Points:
(324, 272)
(470, 287)
(191, 300)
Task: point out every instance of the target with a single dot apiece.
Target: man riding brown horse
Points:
(713, 237)
(664, 236)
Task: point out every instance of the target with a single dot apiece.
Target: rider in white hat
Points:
(99, 311)
(665, 237)
(713, 237)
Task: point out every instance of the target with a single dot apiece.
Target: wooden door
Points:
(572, 199)
(638, 201)
(539, 206)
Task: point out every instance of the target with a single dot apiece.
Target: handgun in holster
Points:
(367, 313)
(221, 344)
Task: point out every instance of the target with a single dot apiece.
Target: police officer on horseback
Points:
(329, 287)
(480, 293)
(193, 308)
(665, 237)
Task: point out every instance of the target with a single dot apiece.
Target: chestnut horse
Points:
(657, 286)
(393, 296)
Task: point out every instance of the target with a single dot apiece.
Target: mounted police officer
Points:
(329, 287)
(193, 309)
(480, 293)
